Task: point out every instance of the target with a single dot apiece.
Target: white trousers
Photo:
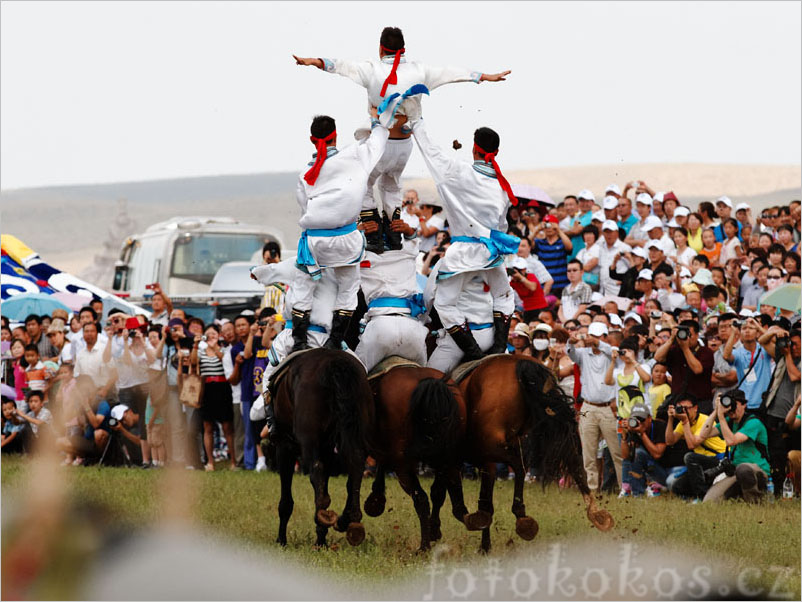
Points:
(448, 292)
(387, 175)
(447, 355)
(392, 335)
(347, 277)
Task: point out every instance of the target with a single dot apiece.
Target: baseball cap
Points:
(615, 319)
(542, 327)
(640, 410)
(644, 198)
(670, 196)
(673, 223)
(724, 199)
(652, 244)
(61, 314)
(176, 322)
(552, 219)
(434, 202)
(518, 262)
(597, 329)
(645, 275)
(633, 316)
(57, 325)
(658, 196)
(652, 222)
(521, 330)
(610, 202)
(610, 225)
(598, 216)
(118, 411)
(741, 206)
(586, 194)
(640, 252)
(682, 211)
(612, 188)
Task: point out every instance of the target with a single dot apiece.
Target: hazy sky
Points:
(105, 91)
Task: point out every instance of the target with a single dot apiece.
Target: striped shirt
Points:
(555, 258)
(210, 365)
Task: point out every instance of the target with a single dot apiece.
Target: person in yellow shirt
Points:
(686, 422)
(659, 388)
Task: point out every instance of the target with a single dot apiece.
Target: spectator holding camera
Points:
(528, 288)
(689, 363)
(747, 450)
(751, 361)
(707, 449)
(783, 390)
(643, 444)
(124, 422)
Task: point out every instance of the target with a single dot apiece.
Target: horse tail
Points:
(341, 378)
(436, 422)
(554, 447)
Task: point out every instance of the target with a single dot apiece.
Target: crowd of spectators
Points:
(648, 311)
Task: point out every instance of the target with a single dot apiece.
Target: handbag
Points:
(191, 389)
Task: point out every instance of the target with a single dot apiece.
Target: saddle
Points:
(388, 363)
(462, 371)
(281, 370)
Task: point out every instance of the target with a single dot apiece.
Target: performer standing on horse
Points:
(391, 74)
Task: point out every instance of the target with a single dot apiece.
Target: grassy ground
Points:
(243, 506)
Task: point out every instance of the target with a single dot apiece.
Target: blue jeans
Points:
(249, 447)
(644, 464)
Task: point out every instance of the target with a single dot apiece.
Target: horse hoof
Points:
(478, 520)
(601, 519)
(355, 534)
(374, 505)
(436, 535)
(327, 518)
(526, 527)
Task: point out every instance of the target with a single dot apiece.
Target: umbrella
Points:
(18, 307)
(72, 300)
(785, 296)
(533, 193)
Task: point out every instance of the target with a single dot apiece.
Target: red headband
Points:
(505, 185)
(392, 78)
(311, 175)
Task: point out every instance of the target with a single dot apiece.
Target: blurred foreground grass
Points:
(241, 507)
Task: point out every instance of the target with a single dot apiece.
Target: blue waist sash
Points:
(304, 258)
(312, 327)
(483, 326)
(499, 243)
(414, 303)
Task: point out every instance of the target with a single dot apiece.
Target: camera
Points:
(737, 323)
(725, 466)
(781, 344)
(726, 401)
(655, 314)
(440, 248)
(262, 322)
(678, 409)
(683, 333)
(113, 422)
(203, 338)
(633, 422)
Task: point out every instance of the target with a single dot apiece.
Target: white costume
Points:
(371, 74)
(329, 212)
(476, 207)
(477, 304)
(389, 285)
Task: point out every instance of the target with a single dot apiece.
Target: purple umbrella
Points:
(532, 193)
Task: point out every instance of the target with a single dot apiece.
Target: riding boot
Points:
(270, 416)
(392, 239)
(300, 325)
(374, 240)
(339, 325)
(501, 329)
(464, 339)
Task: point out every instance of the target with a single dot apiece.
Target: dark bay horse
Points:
(322, 403)
(420, 417)
(518, 415)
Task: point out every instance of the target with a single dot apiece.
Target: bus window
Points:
(198, 257)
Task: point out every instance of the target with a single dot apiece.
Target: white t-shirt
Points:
(685, 257)
(436, 221)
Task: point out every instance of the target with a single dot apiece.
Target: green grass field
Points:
(242, 506)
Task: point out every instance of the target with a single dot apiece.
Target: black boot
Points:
(501, 329)
(464, 339)
(374, 240)
(270, 417)
(392, 239)
(300, 325)
(339, 325)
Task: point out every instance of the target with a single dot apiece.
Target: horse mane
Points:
(553, 444)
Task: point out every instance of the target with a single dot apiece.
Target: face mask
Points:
(540, 344)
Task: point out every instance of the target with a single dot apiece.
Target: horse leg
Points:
(286, 462)
(374, 505)
(454, 484)
(324, 518)
(349, 522)
(411, 485)
(483, 517)
(438, 496)
(525, 526)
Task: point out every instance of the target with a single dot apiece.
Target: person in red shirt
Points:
(528, 288)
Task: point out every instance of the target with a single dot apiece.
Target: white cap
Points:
(702, 276)
(597, 329)
(646, 275)
(612, 188)
(586, 194)
(673, 223)
(610, 202)
(659, 196)
(652, 222)
(118, 411)
(518, 262)
(640, 252)
(747, 313)
(615, 319)
(644, 198)
(633, 316)
(595, 297)
(599, 215)
(682, 212)
(610, 225)
(653, 244)
(435, 202)
(739, 206)
(542, 327)
(724, 199)
(684, 272)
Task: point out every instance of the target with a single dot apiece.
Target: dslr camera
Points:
(781, 344)
(678, 409)
(683, 333)
(634, 422)
(725, 465)
(113, 422)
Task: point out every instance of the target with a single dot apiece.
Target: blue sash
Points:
(483, 326)
(416, 89)
(312, 327)
(499, 243)
(414, 303)
(304, 259)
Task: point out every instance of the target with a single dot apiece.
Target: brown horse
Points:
(420, 417)
(322, 402)
(518, 415)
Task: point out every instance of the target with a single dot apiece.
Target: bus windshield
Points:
(198, 256)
